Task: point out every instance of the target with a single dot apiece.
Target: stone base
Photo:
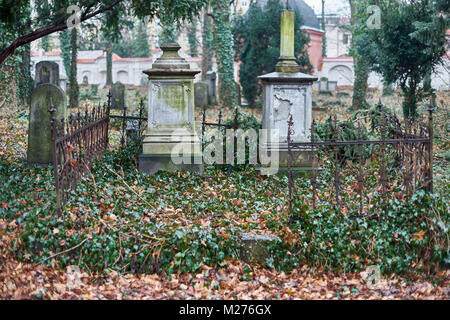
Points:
(254, 248)
(283, 171)
(301, 162)
(152, 163)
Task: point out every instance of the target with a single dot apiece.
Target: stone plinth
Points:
(171, 124)
(255, 248)
(286, 94)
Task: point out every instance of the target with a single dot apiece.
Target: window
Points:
(345, 39)
(244, 3)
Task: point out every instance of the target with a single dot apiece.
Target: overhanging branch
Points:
(44, 31)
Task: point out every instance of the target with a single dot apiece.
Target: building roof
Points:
(307, 13)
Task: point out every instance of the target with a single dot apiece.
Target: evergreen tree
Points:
(109, 80)
(192, 38)
(409, 45)
(207, 45)
(223, 40)
(359, 45)
(16, 83)
(324, 38)
(45, 44)
(169, 30)
(140, 45)
(64, 40)
(257, 41)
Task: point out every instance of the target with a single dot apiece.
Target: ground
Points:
(217, 208)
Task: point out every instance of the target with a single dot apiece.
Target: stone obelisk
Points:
(287, 92)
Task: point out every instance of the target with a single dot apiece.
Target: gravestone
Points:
(332, 86)
(170, 142)
(39, 131)
(132, 129)
(47, 72)
(94, 90)
(63, 83)
(118, 95)
(85, 81)
(255, 248)
(201, 94)
(286, 92)
(211, 79)
(323, 84)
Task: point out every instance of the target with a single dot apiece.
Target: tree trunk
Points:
(51, 28)
(109, 80)
(73, 83)
(361, 68)
(206, 45)
(223, 39)
(324, 38)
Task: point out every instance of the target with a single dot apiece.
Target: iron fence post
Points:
(430, 143)
(52, 111)
(290, 177)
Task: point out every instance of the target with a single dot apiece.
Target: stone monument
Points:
(170, 141)
(118, 95)
(201, 94)
(211, 79)
(46, 72)
(39, 132)
(287, 92)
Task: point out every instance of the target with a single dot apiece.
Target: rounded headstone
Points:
(118, 95)
(47, 72)
(39, 132)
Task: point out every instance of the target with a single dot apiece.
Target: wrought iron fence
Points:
(131, 127)
(219, 124)
(406, 149)
(77, 141)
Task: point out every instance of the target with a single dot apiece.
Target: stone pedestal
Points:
(287, 92)
(170, 142)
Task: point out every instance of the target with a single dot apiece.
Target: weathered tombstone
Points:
(211, 78)
(255, 248)
(118, 95)
(85, 81)
(39, 132)
(316, 85)
(287, 92)
(170, 141)
(201, 94)
(63, 83)
(323, 85)
(46, 72)
(132, 128)
(332, 86)
(94, 90)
